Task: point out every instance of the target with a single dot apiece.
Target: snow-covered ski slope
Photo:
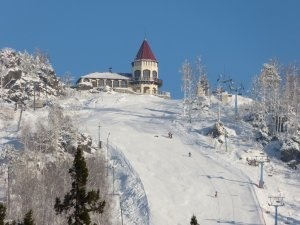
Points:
(163, 185)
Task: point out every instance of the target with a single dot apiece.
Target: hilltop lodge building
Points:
(142, 80)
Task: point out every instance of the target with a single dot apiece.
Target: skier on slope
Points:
(216, 194)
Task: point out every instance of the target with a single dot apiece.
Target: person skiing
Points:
(190, 154)
(170, 135)
(216, 194)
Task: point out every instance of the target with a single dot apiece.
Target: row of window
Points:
(146, 75)
(110, 83)
(146, 63)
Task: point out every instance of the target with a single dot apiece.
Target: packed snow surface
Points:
(159, 183)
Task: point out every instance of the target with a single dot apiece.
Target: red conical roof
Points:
(145, 52)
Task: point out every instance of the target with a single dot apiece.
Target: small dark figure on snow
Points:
(216, 194)
(190, 154)
(170, 135)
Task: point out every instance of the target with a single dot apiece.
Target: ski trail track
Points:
(174, 183)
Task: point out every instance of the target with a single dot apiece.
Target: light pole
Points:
(107, 154)
(113, 177)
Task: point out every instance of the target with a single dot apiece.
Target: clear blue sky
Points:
(234, 37)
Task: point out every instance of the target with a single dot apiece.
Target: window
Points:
(101, 83)
(124, 84)
(146, 75)
(108, 83)
(154, 75)
(115, 83)
(94, 83)
(137, 75)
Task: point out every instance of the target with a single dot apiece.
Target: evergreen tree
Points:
(28, 220)
(77, 202)
(194, 220)
(2, 213)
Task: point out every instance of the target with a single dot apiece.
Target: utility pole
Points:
(107, 154)
(121, 209)
(276, 201)
(113, 178)
(99, 140)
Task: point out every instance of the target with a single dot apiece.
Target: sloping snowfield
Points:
(176, 185)
(160, 184)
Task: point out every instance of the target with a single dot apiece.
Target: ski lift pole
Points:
(276, 201)
(261, 160)
(276, 213)
(261, 180)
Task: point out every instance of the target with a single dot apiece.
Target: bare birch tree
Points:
(188, 88)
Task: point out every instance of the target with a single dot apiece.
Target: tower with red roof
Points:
(145, 71)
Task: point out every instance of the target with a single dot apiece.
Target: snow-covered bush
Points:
(84, 86)
(85, 142)
(290, 150)
(217, 131)
(24, 75)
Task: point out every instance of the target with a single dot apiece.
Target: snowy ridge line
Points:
(120, 157)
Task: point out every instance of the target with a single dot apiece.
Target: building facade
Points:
(143, 79)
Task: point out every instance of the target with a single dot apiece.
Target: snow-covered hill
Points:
(157, 181)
